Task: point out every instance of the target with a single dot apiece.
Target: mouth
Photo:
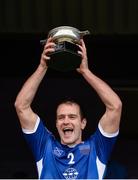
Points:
(67, 131)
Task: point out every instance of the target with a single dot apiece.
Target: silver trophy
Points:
(65, 57)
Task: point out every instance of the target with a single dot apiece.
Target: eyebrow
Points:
(60, 115)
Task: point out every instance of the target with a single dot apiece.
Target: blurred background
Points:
(112, 51)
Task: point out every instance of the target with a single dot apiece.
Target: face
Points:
(69, 124)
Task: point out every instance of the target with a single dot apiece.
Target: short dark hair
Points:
(72, 101)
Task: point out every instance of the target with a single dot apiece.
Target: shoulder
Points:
(39, 129)
(106, 134)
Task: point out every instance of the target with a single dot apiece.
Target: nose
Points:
(66, 120)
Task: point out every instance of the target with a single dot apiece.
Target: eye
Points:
(61, 117)
(72, 116)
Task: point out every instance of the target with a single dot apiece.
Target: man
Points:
(70, 158)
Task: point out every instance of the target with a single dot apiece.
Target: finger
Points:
(83, 44)
(50, 44)
(82, 41)
(80, 53)
(49, 39)
(83, 50)
(49, 50)
(45, 57)
(78, 70)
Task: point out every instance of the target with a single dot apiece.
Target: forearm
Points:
(106, 94)
(29, 89)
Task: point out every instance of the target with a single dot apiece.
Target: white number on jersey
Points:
(71, 157)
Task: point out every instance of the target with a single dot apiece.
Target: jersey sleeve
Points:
(37, 139)
(104, 143)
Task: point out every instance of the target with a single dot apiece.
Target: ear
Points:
(83, 123)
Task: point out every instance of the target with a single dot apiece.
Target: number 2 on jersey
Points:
(71, 157)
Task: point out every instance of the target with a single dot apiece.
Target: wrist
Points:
(84, 71)
(42, 67)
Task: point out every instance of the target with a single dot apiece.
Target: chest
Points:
(69, 163)
(71, 156)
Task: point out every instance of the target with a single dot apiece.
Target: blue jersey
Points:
(54, 160)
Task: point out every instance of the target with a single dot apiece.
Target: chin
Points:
(68, 142)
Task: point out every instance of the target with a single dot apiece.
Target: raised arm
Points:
(26, 95)
(110, 120)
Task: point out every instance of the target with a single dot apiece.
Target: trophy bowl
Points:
(67, 33)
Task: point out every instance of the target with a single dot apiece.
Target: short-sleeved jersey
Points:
(54, 160)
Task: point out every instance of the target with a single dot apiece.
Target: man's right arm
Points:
(27, 93)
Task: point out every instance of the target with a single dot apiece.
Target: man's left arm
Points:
(110, 120)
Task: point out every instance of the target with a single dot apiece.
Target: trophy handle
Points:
(43, 41)
(83, 33)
